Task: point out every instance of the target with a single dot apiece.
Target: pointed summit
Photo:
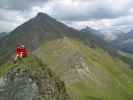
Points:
(40, 15)
(43, 16)
(39, 29)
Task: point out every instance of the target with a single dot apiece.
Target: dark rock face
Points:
(27, 82)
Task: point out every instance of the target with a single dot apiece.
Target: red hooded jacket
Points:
(21, 51)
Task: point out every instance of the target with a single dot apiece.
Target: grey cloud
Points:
(101, 13)
(93, 13)
(6, 26)
(12, 10)
(20, 4)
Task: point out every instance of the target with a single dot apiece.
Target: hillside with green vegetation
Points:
(89, 73)
(41, 28)
(82, 61)
(127, 57)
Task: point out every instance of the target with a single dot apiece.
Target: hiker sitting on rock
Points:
(21, 52)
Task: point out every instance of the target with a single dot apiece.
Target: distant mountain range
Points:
(111, 35)
(124, 42)
(107, 35)
(3, 34)
(116, 38)
(92, 31)
(80, 59)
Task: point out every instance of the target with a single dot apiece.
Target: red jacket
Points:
(21, 51)
(18, 51)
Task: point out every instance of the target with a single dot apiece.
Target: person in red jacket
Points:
(21, 52)
(18, 51)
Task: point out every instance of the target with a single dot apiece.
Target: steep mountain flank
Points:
(89, 73)
(39, 29)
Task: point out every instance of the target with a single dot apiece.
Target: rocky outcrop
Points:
(31, 80)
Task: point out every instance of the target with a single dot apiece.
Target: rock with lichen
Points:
(29, 79)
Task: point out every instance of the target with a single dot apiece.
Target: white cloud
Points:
(9, 20)
(6, 26)
(95, 24)
(98, 14)
(93, 13)
(79, 10)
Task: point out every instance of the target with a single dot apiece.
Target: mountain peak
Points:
(87, 27)
(41, 15)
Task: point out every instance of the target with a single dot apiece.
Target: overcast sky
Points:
(98, 14)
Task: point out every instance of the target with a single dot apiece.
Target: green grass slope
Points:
(90, 73)
(127, 57)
